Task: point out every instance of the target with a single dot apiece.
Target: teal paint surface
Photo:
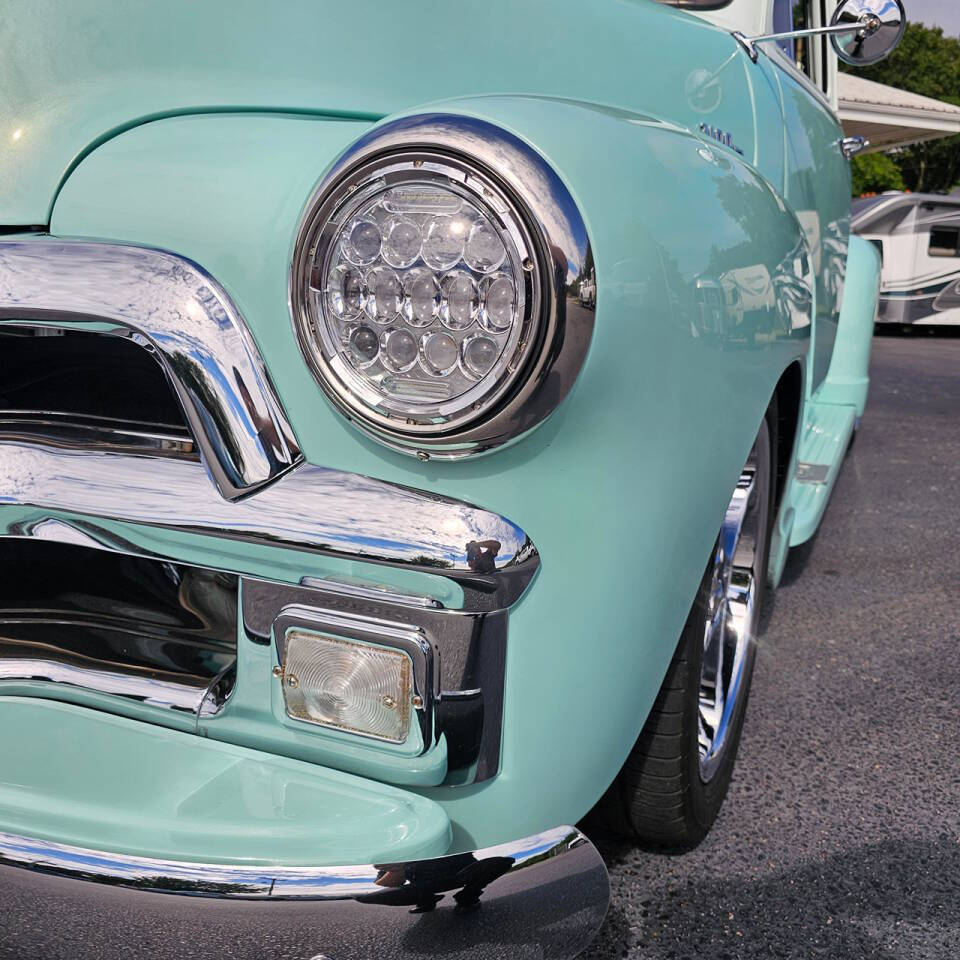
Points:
(818, 191)
(849, 375)
(74, 75)
(829, 416)
(72, 775)
(95, 700)
(623, 489)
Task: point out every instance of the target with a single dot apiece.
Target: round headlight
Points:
(429, 291)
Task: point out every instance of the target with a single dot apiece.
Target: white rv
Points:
(918, 236)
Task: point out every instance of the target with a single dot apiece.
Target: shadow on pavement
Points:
(892, 899)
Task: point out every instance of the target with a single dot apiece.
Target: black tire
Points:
(659, 797)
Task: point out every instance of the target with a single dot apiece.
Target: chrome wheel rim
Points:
(732, 613)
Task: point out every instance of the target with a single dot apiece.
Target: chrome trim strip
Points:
(175, 694)
(169, 306)
(84, 431)
(312, 509)
(563, 328)
(544, 896)
(370, 592)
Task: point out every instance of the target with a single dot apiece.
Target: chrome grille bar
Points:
(81, 495)
(168, 305)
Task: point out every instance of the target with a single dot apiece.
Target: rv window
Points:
(879, 245)
(944, 242)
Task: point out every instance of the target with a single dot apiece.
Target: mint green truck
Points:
(404, 412)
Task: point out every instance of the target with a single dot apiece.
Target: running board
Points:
(827, 431)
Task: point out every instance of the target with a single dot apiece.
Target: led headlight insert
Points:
(433, 282)
(420, 295)
(348, 685)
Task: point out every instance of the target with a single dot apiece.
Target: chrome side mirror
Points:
(861, 31)
(875, 28)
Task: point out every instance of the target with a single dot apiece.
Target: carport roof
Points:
(889, 117)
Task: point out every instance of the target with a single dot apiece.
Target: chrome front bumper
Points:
(541, 897)
(291, 533)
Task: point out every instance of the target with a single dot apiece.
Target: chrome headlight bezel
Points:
(515, 188)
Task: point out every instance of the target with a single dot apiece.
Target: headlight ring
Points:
(429, 286)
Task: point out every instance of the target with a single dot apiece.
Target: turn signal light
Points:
(348, 685)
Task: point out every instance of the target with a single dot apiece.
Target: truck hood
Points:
(74, 75)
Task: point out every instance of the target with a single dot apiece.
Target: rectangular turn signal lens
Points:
(357, 687)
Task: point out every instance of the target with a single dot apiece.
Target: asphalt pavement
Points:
(840, 836)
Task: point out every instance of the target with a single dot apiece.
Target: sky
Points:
(935, 13)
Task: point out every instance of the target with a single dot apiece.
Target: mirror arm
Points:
(867, 27)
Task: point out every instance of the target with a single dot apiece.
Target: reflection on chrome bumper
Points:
(310, 509)
(541, 897)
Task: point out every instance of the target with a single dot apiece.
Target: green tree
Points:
(928, 63)
(875, 173)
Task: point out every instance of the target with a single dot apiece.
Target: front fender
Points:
(702, 301)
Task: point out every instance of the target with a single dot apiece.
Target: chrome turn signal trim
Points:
(458, 673)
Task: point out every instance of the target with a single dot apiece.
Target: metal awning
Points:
(889, 117)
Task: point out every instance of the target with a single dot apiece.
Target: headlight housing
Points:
(429, 285)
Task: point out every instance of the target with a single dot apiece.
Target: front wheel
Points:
(673, 784)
